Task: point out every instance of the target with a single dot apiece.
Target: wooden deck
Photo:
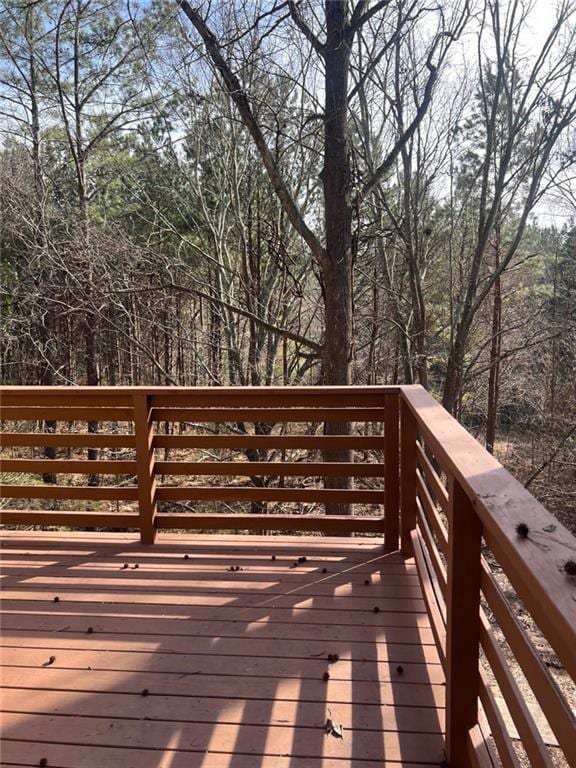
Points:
(178, 661)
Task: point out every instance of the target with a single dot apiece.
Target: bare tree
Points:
(331, 41)
(525, 110)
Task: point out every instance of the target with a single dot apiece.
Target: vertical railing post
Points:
(408, 437)
(391, 471)
(144, 436)
(463, 623)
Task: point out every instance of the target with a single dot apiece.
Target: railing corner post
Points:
(463, 624)
(408, 438)
(146, 474)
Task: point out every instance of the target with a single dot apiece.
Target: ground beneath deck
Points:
(212, 651)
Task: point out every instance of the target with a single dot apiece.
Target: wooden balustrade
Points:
(447, 502)
(130, 419)
(465, 539)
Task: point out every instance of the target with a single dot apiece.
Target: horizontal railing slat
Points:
(432, 550)
(527, 730)
(438, 491)
(103, 393)
(288, 495)
(281, 442)
(64, 440)
(274, 468)
(119, 520)
(74, 413)
(72, 466)
(324, 523)
(436, 619)
(63, 399)
(93, 493)
(245, 399)
(267, 415)
(506, 752)
(559, 715)
(432, 515)
(478, 751)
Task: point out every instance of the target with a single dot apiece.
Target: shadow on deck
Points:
(232, 661)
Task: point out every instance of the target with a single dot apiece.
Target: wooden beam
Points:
(64, 466)
(287, 495)
(102, 493)
(65, 440)
(323, 523)
(239, 442)
(270, 468)
(267, 415)
(63, 413)
(118, 520)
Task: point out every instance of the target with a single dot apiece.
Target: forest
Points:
(259, 192)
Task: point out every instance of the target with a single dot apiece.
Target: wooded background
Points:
(257, 193)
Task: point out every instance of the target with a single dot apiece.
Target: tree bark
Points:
(337, 265)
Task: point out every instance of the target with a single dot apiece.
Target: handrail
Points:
(145, 479)
(482, 506)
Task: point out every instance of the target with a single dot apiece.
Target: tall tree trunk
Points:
(372, 374)
(337, 265)
(453, 380)
(495, 347)
(47, 319)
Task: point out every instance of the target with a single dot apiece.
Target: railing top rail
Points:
(533, 563)
(200, 391)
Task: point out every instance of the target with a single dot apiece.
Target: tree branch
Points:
(550, 458)
(250, 316)
(242, 103)
(389, 161)
(304, 28)
(360, 16)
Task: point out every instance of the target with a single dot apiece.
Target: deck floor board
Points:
(181, 662)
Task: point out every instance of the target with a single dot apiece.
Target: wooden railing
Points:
(248, 422)
(483, 546)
